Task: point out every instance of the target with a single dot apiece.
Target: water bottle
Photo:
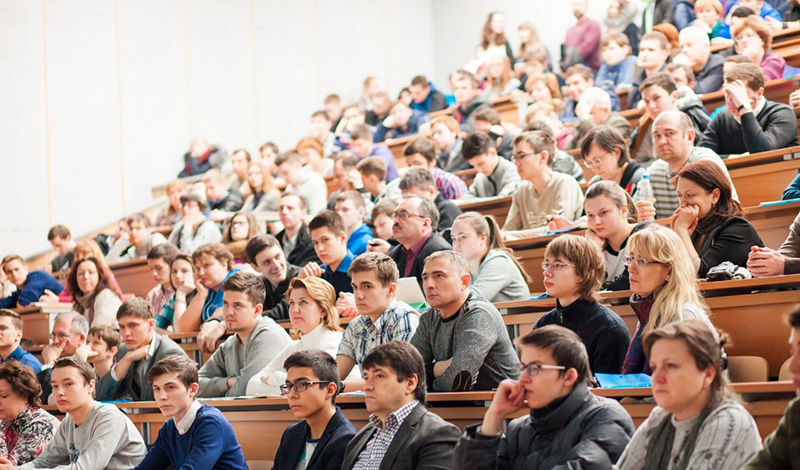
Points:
(646, 189)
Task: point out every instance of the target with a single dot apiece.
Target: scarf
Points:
(659, 453)
(635, 362)
(709, 223)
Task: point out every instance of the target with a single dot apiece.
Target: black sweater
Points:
(602, 331)
(730, 241)
(774, 128)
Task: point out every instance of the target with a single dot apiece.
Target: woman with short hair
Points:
(605, 152)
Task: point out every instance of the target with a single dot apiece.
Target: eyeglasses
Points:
(300, 386)
(60, 335)
(405, 215)
(239, 222)
(639, 262)
(592, 163)
(521, 155)
(533, 368)
(555, 266)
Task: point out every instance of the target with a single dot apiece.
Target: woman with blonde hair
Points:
(664, 288)
(84, 249)
(698, 421)
(264, 195)
(499, 81)
(313, 314)
(171, 214)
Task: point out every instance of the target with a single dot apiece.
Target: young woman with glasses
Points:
(605, 152)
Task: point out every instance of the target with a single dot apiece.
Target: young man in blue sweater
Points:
(30, 285)
(195, 436)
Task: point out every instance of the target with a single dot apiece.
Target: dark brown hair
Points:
(422, 146)
(660, 79)
(248, 283)
(403, 358)
(750, 74)
(72, 281)
(384, 267)
(23, 382)
(108, 334)
(609, 140)
(329, 219)
(709, 176)
(136, 307)
(84, 368)
(178, 363)
(564, 345)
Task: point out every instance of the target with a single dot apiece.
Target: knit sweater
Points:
(528, 213)
(775, 127)
(602, 331)
(35, 284)
(502, 182)
(499, 279)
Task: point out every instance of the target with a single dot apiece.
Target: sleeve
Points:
(255, 386)
(279, 311)
(207, 446)
(609, 353)
(437, 452)
(569, 200)
(510, 184)
(775, 453)
(404, 328)
(380, 133)
(157, 457)
(31, 444)
(106, 305)
(476, 451)
(514, 217)
(164, 317)
(779, 132)
(261, 350)
(732, 244)
(468, 355)
(108, 431)
(347, 347)
(213, 375)
(793, 191)
(492, 277)
(605, 436)
(682, 16)
(791, 247)
(632, 457)
(421, 340)
(54, 454)
(728, 437)
(108, 385)
(208, 232)
(10, 301)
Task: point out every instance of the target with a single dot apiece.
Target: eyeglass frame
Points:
(546, 266)
(516, 156)
(285, 388)
(406, 215)
(539, 367)
(640, 262)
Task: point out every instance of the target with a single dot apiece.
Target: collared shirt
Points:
(411, 254)
(398, 322)
(371, 457)
(214, 299)
(183, 425)
(159, 296)
(339, 279)
(449, 185)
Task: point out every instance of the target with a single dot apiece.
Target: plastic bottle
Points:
(646, 189)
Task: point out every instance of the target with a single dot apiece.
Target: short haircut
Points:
(385, 207)
(462, 74)
(346, 159)
(758, 26)
(320, 113)
(176, 364)
(750, 74)
(288, 157)
(322, 364)
(487, 114)
(246, 154)
(420, 80)
(739, 11)
(327, 218)
(332, 98)
(136, 307)
(107, 334)
(218, 251)
(683, 120)
(310, 143)
(428, 210)
(23, 382)
(9, 258)
(141, 218)
(353, 196)
(588, 262)
(247, 283)
(609, 140)
(360, 131)
(165, 251)
(423, 146)
(658, 37)
(684, 68)
(269, 145)
(454, 259)
(77, 322)
(538, 54)
(476, 144)
(417, 177)
(15, 317)
(372, 166)
(619, 39)
(381, 264)
(84, 368)
(596, 97)
(258, 244)
(705, 4)
(794, 318)
(539, 141)
(738, 59)
(216, 176)
(59, 231)
(661, 79)
(403, 358)
(448, 121)
(564, 345)
(300, 199)
(579, 69)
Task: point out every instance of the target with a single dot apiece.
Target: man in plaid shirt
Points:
(422, 152)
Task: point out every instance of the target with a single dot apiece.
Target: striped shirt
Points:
(371, 457)
(399, 322)
(158, 297)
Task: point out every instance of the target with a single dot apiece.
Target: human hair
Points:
(403, 358)
(246, 154)
(690, 76)
(448, 121)
(619, 39)
(320, 113)
(259, 243)
(385, 206)
(72, 280)
(88, 247)
(327, 219)
(423, 146)
(706, 350)
(372, 166)
(486, 225)
(300, 199)
(218, 251)
(476, 144)
(738, 59)
(588, 263)
(246, 283)
(453, 259)
(671, 33)
(505, 75)
(23, 382)
(291, 157)
(268, 181)
(607, 139)
(382, 265)
(704, 4)
(361, 131)
(84, 369)
(709, 176)
(420, 80)
(661, 79)
(323, 294)
(487, 114)
(794, 318)
(596, 97)
(417, 177)
(532, 42)
(182, 365)
(136, 307)
(181, 257)
(269, 145)
(174, 185)
(310, 143)
(539, 141)
(750, 74)
(758, 25)
(738, 11)
(353, 196)
(216, 176)
(163, 251)
(658, 37)
(77, 322)
(346, 159)
(490, 37)
(564, 345)
(579, 69)
(322, 364)
(107, 334)
(333, 98)
(253, 227)
(616, 194)
(141, 218)
(192, 197)
(662, 245)
(462, 74)
(537, 54)
(15, 317)
(9, 258)
(59, 231)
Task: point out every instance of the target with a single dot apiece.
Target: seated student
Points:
(495, 270)
(453, 363)
(422, 152)
(314, 159)
(194, 435)
(345, 176)
(240, 228)
(618, 62)
(673, 132)
(563, 162)
(25, 428)
(330, 242)
(181, 280)
(495, 177)
(652, 58)
(373, 177)
(594, 109)
(201, 157)
(605, 151)
(221, 200)
(573, 273)
(104, 342)
(709, 17)
(213, 264)
(10, 337)
(468, 99)
(761, 8)
(67, 338)
(751, 123)
(256, 341)
(380, 108)
(694, 403)
(159, 260)
(304, 183)
(194, 229)
(489, 122)
(60, 237)
(143, 347)
(240, 161)
(321, 130)
(707, 67)
(84, 249)
(92, 296)
(709, 222)
(363, 146)
(140, 238)
(352, 209)
(664, 287)
(313, 314)
(567, 427)
(294, 238)
(264, 194)
(383, 220)
(542, 192)
(333, 108)
(320, 439)
(763, 261)
(266, 256)
(499, 81)
(682, 75)
(753, 38)
(30, 285)
(401, 432)
(779, 452)
(401, 122)
(381, 317)
(425, 96)
(419, 181)
(93, 434)
(171, 214)
(445, 135)
(580, 78)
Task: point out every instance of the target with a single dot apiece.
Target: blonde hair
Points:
(532, 42)
(89, 248)
(487, 225)
(662, 245)
(323, 294)
(268, 181)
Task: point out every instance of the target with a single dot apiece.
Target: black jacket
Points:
(435, 243)
(303, 252)
(330, 448)
(447, 212)
(464, 114)
(275, 304)
(709, 78)
(774, 128)
(730, 241)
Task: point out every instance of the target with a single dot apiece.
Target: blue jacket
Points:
(767, 10)
(35, 284)
(358, 240)
(329, 453)
(617, 74)
(412, 127)
(25, 358)
(793, 191)
(683, 14)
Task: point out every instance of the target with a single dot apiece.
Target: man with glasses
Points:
(568, 426)
(320, 439)
(68, 338)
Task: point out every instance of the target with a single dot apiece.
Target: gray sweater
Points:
(499, 279)
(791, 248)
(107, 440)
(243, 361)
(475, 338)
(502, 182)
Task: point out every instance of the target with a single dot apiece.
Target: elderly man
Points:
(707, 68)
(67, 338)
(594, 109)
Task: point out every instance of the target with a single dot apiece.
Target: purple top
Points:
(772, 65)
(585, 36)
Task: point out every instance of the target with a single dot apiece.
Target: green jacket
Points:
(782, 447)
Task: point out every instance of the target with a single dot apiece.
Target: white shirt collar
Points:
(152, 350)
(188, 419)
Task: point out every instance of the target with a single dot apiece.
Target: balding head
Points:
(696, 46)
(673, 136)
